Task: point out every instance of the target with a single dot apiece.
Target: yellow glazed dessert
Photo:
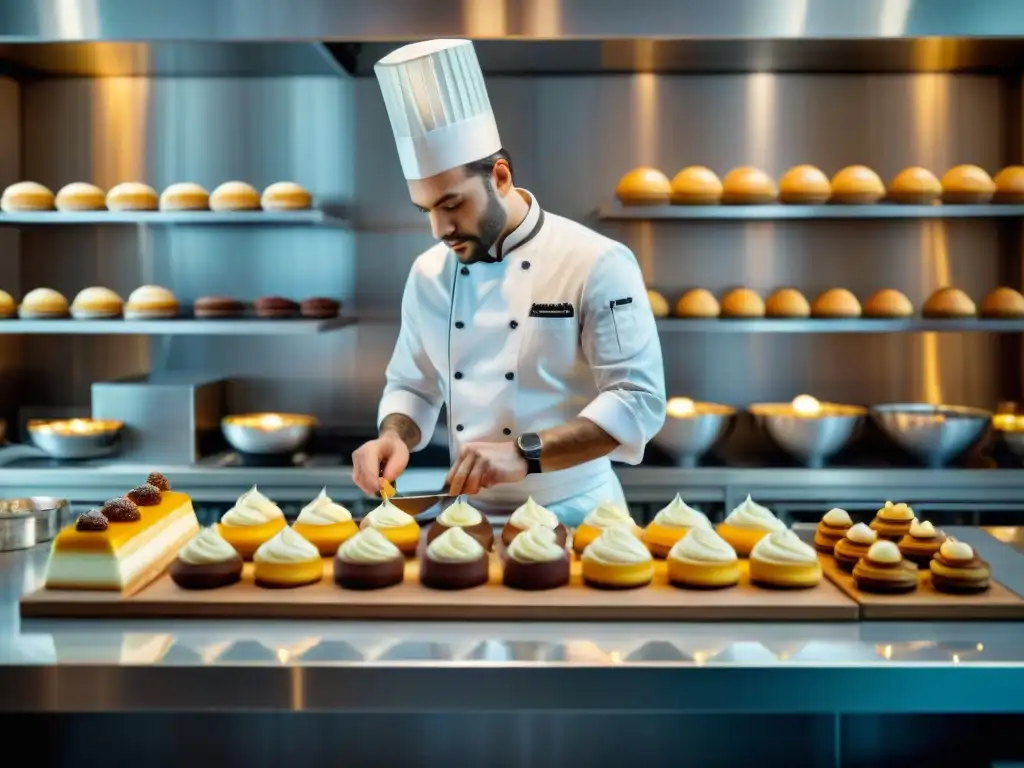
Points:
(398, 527)
(253, 520)
(671, 524)
(781, 559)
(893, 521)
(287, 560)
(747, 524)
(603, 516)
(325, 524)
(617, 559)
(704, 560)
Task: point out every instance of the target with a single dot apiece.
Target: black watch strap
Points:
(530, 446)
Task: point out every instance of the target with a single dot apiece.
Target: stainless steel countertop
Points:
(415, 666)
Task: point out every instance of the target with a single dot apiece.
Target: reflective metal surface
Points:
(811, 441)
(935, 434)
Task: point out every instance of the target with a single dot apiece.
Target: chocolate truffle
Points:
(207, 561)
(368, 561)
(93, 521)
(462, 515)
(145, 495)
(535, 560)
(454, 560)
(158, 481)
(121, 510)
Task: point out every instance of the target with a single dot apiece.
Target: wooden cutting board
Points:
(659, 601)
(926, 603)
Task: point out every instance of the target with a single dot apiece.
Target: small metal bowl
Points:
(30, 521)
(74, 439)
(267, 433)
(1010, 429)
(935, 434)
(691, 429)
(811, 438)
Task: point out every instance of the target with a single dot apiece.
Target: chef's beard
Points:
(490, 225)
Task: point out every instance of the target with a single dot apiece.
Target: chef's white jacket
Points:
(558, 327)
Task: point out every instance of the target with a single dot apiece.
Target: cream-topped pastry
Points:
(854, 545)
(455, 546)
(604, 515)
(703, 545)
(896, 512)
(893, 521)
(922, 530)
(884, 552)
(883, 569)
(323, 511)
(781, 559)
(747, 524)
(368, 546)
(837, 517)
(921, 542)
(252, 508)
(207, 548)
(679, 514)
(286, 547)
(460, 515)
(207, 561)
(536, 545)
(957, 568)
(616, 559)
(387, 515)
(861, 534)
(532, 514)
(783, 547)
(952, 549)
(287, 560)
(833, 526)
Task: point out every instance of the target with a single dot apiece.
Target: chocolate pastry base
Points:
(276, 307)
(207, 575)
(319, 308)
(884, 587)
(364, 576)
(536, 576)
(217, 307)
(959, 586)
(438, 575)
(482, 532)
(510, 531)
(615, 587)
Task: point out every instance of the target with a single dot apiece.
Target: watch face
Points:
(529, 443)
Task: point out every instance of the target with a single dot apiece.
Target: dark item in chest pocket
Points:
(552, 310)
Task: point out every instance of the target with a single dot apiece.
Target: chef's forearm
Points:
(572, 443)
(402, 426)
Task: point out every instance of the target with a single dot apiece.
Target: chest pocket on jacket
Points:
(552, 344)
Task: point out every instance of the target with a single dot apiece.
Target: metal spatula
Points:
(417, 505)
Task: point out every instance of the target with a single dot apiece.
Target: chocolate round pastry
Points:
(884, 570)
(454, 560)
(158, 481)
(530, 515)
(217, 307)
(368, 560)
(462, 515)
(93, 521)
(276, 307)
(536, 561)
(145, 495)
(121, 510)
(319, 308)
(207, 561)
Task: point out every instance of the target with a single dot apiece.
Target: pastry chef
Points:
(535, 332)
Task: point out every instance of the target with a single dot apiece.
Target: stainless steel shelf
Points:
(618, 212)
(180, 218)
(853, 325)
(178, 327)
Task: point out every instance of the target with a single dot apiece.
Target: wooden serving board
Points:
(659, 601)
(926, 603)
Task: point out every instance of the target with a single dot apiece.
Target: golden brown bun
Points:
(697, 302)
(967, 185)
(804, 185)
(42, 303)
(888, 302)
(644, 186)
(1003, 302)
(696, 185)
(1009, 185)
(96, 302)
(185, 196)
(836, 302)
(80, 196)
(787, 302)
(659, 304)
(742, 302)
(26, 196)
(915, 186)
(7, 306)
(857, 185)
(235, 196)
(748, 186)
(949, 302)
(132, 196)
(285, 196)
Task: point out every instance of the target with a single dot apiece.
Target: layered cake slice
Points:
(125, 544)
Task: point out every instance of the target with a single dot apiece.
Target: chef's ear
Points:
(501, 175)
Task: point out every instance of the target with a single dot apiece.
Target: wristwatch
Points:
(530, 445)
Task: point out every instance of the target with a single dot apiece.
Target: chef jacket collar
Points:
(526, 230)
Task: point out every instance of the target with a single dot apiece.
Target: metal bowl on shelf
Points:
(1010, 428)
(935, 434)
(267, 433)
(74, 439)
(807, 429)
(692, 428)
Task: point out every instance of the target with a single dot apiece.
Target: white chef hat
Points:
(436, 99)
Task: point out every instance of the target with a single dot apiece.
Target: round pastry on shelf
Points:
(697, 302)
(96, 303)
(782, 560)
(659, 304)
(884, 570)
(921, 542)
(454, 560)
(888, 302)
(43, 304)
(672, 523)
(207, 561)
(893, 521)
(831, 529)
(26, 196)
(80, 196)
(853, 546)
(914, 186)
(185, 196)
(747, 524)
(285, 196)
(535, 561)
(319, 308)
(956, 568)
(703, 560)
(368, 560)
(836, 303)
(132, 196)
(696, 185)
(217, 307)
(463, 515)
(747, 185)
(804, 185)
(150, 302)
(787, 302)
(949, 302)
(8, 307)
(287, 561)
(857, 185)
(967, 185)
(531, 515)
(276, 308)
(235, 196)
(325, 524)
(1003, 302)
(617, 559)
(644, 186)
(1009, 185)
(742, 302)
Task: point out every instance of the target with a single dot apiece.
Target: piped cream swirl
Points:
(323, 511)
(531, 514)
(252, 508)
(536, 545)
(752, 515)
(702, 545)
(207, 547)
(861, 534)
(607, 514)
(617, 545)
(368, 546)
(387, 515)
(286, 547)
(679, 514)
(460, 514)
(455, 546)
(783, 547)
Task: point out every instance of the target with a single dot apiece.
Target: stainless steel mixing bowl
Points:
(267, 433)
(810, 438)
(76, 439)
(690, 432)
(935, 434)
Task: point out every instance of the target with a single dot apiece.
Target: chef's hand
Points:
(389, 452)
(483, 465)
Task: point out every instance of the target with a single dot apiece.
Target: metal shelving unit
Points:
(619, 212)
(175, 218)
(177, 327)
(851, 325)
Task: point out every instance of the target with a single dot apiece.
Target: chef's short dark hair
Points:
(485, 166)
